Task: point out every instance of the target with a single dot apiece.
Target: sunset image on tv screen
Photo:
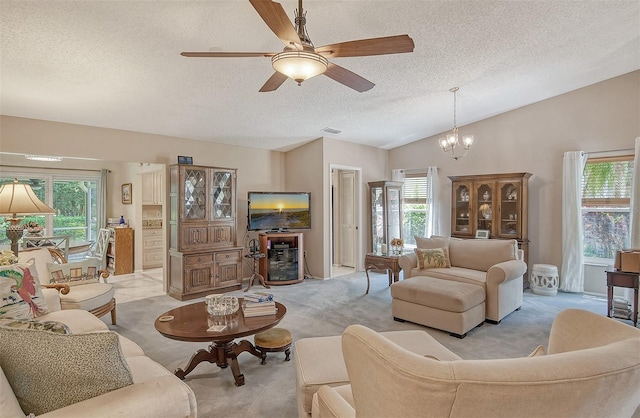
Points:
(279, 210)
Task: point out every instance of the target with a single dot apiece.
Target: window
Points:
(416, 202)
(606, 198)
(74, 197)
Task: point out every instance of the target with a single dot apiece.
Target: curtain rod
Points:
(617, 152)
(631, 150)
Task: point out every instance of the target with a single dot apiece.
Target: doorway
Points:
(345, 220)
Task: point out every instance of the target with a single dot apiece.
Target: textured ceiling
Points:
(117, 64)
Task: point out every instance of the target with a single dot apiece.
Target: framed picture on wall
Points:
(482, 233)
(126, 194)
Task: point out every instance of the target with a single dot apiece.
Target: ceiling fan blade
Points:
(366, 47)
(348, 78)
(276, 18)
(227, 54)
(273, 82)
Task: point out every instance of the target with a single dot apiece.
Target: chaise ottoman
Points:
(450, 306)
(319, 361)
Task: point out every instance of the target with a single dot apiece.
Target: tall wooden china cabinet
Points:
(203, 254)
(496, 203)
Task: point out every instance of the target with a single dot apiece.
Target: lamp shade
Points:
(299, 65)
(19, 199)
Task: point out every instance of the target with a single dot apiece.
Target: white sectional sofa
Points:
(494, 264)
(591, 368)
(154, 392)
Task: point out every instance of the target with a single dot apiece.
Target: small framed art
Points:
(482, 233)
(126, 194)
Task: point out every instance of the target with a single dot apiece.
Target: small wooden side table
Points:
(379, 261)
(622, 279)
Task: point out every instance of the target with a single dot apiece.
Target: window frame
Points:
(603, 204)
(428, 200)
(56, 175)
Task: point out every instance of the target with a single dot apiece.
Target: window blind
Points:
(416, 188)
(607, 181)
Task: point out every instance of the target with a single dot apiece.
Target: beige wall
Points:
(604, 116)
(372, 163)
(123, 151)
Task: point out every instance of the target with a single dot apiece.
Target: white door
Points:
(347, 219)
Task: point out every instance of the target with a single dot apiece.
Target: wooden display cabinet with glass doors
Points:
(385, 200)
(203, 255)
(497, 203)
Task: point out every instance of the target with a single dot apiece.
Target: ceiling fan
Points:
(300, 60)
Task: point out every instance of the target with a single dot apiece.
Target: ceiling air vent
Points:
(331, 130)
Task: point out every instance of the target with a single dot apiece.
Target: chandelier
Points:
(451, 145)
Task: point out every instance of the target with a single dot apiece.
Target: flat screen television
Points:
(279, 211)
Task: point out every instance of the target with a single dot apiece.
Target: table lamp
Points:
(19, 199)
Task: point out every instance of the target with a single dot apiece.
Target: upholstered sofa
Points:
(150, 391)
(494, 264)
(591, 369)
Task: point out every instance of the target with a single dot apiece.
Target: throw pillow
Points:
(80, 272)
(59, 370)
(432, 258)
(51, 326)
(21, 293)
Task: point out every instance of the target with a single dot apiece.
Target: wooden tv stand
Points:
(283, 262)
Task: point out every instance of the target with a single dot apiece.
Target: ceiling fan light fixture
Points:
(299, 65)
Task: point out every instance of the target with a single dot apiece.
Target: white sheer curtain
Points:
(102, 195)
(635, 199)
(572, 271)
(433, 202)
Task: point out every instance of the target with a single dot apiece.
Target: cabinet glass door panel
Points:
(462, 209)
(195, 192)
(221, 193)
(509, 209)
(484, 207)
(393, 214)
(377, 217)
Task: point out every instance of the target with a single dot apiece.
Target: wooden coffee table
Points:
(190, 323)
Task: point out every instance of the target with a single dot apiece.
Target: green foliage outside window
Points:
(606, 193)
(414, 219)
(75, 203)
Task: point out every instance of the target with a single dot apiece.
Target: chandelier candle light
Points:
(451, 144)
(19, 199)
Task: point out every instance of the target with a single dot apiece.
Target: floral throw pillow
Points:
(20, 292)
(433, 258)
(51, 326)
(81, 272)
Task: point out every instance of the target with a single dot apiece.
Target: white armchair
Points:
(95, 295)
(592, 369)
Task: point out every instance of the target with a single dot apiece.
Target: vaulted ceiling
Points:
(117, 64)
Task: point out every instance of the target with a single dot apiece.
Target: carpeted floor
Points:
(317, 308)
